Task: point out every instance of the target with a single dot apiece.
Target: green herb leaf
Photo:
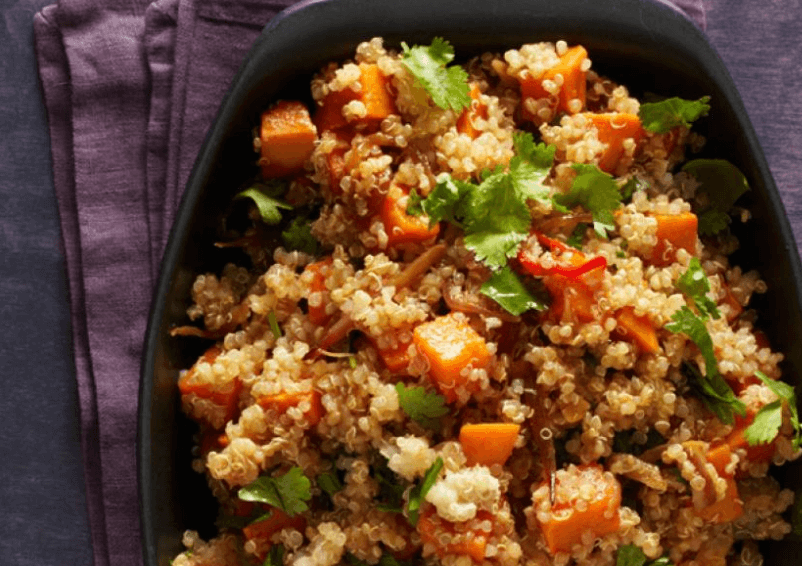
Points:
(421, 406)
(597, 192)
(508, 290)
(298, 236)
(768, 419)
(724, 183)
(329, 482)
(660, 117)
(288, 492)
(633, 185)
(275, 556)
(712, 222)
(264, 197)
(448, 86)
(630, 555)
(716, 393)
(695, 285)
(766, 425)
(418, 493)
(391, 492)
(274, 327)
(577, 236)
(447, 201)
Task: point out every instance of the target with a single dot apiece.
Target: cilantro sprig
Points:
(288, 492)
(447, 85)
(421, 406)
(418, 493)
(660, 117)
(507, 289)
(715, 392)
(724, 184)
(769, 418)
(597, 192)
(695, 285)
(265, 197)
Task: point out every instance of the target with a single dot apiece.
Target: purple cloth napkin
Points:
(130, 90)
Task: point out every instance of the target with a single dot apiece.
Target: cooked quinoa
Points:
(420, 421)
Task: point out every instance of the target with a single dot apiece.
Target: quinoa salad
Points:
(485, 314)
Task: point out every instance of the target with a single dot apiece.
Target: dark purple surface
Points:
(130, 92)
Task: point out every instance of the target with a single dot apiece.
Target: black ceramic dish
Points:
(644, 45)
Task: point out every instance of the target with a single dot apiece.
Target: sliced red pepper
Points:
(570, 271)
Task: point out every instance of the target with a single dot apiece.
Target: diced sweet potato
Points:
(287, 139)
(440, 534)
(450, 344)
(674, 231)
(488, 443)
(614, 128)
(573, 88)
(571, 299)
(402, 228)
(280, 402)
(568, 520)
(224, 395)
(374, 95)
(637, 329)
(469, 114)
(317, 312)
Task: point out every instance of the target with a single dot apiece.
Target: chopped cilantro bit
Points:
(633, 185)
(508, 290)
(597, 192)
(695, 285)
(329, 482)
(724, 183)
(288, 492)
(298, 236)
(420, 405)
(445, 202)
(660, 117)
(274, 327)
(352, 362)
(577, 236)
(264, 197)
(391, 492)
(275, 556)
(620, 254)
(448, 86)
(768, 419)
(715, 392)
(631, 555)
(418, 493)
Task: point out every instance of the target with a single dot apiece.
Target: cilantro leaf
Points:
(769, 418)
(508, 290)
(421, 406)
(446, 201)
(530, 165)
(391, 492)
(264, 197)
(448, 86)
(597, 192)
(298, 236)
(288, 492)
(695, 285)
(631, 555)
(660, 117)
(715, 392)
(275, 556)
(497, 221)
(766, 425)
(577, 236)
(712, 222)
(418, 493)
(724, 184)
(329, 482)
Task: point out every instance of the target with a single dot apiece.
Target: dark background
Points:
(42, 496)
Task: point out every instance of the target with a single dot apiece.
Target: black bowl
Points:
(642, 44)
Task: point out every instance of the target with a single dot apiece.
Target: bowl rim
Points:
(673, 24)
